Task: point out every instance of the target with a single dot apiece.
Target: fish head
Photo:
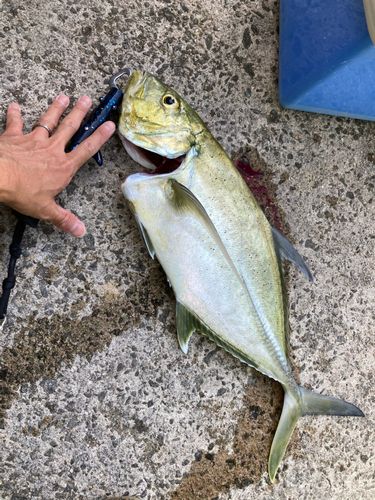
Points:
(157, 127)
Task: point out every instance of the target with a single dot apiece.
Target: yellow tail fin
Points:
(309, 403)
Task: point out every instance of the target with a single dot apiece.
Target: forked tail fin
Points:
(309, 403)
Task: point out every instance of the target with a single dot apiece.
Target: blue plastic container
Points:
(327, 58)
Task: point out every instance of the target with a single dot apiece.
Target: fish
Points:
(222, 258)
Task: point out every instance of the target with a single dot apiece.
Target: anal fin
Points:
(188, 322)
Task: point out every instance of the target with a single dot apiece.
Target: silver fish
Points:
(222, 258)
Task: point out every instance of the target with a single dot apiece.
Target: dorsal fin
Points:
(285, 250)
(280, 263)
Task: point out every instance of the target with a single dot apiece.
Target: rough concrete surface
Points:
(97, 400)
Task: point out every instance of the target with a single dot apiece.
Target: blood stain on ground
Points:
(257, 176)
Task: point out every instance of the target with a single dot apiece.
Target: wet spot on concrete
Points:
(215, 473)
(45, 344)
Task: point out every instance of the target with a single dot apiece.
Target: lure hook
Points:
(112, 81)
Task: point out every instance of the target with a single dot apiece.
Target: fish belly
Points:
(204, 282)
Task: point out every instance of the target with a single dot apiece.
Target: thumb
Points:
(66, 221)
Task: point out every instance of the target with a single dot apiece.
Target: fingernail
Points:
(110, 126)
(63, 99)
(85, 100)
(14, 105)
(78, 230)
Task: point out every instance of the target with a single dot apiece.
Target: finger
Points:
(92, 144)
(72, 121)
(51, 116)
(14, 123)
(66, 221)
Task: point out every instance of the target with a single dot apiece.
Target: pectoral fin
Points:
(184, 200)
(145, 237)
(287, 251)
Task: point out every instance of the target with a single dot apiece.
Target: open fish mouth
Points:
(153, 162)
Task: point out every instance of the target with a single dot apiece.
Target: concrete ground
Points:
(97, 399)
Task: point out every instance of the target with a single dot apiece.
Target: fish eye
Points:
(170, 101)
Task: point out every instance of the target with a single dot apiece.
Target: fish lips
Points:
(154, 162)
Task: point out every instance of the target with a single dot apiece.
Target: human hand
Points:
(34, 168)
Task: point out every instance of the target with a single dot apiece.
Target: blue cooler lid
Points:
(327, 57)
